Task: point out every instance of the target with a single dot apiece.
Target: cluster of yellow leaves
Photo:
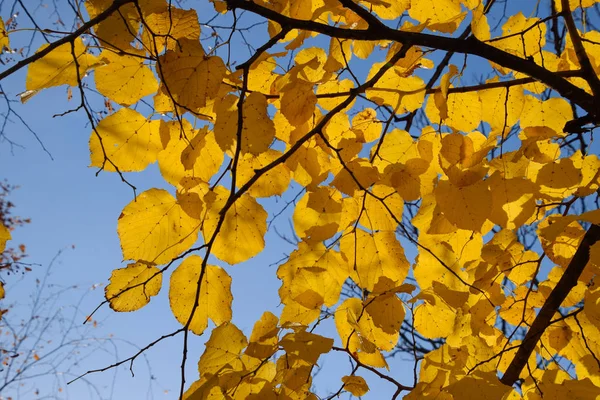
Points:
(473, 194)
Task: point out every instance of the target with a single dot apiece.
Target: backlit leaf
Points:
(58, 67)
(154, 228)
(124, 79)
(130, 288)
(223, 349)
(127, 139)
(213, 294)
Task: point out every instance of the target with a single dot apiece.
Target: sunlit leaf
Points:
(194, 300)
(130, 288)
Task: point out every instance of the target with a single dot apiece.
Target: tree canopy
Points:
(436, 158)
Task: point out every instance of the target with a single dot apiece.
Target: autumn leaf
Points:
(198, 292)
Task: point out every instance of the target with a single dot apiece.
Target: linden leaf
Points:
(258, 130)
(4, 41)
(305, 345)
(525, 37)
(553, 113)
(130, 288)
(559, 179)
(223, 350)
(332, 87)
(402, 93)
(154, 228)
(191, 76)
(374, 255)
(58, 67)
(436, 14)
(4, 237)
(241, 235)
(317, 214)
(298, 102)
(124, 79)
(355, 385)
(482, 382)
(353, 337)
(263, 340)
(434, 318)
(127, 139)
(272, 183)
(467, 207)
(313, 276)
(119, 29)
(214, 295)
(464, 110)
(163, 29)
(189, 153)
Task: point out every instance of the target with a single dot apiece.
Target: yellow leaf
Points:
(58, 67)
(2, 294)
(479, 23)
(437, 14)
(214, 295)
(557, 336)
(518, 42)
(367, 124)
(467, 207)
(357, 175)
(481, 382)
(503, 108)
(313, 276)
(513, 201)
(374, 214)
(127, 139)
(154, 228)
(120, 28)
(258, 130)
(298, 102)
(434, 318)
(163, 29)
(317, 214)
(373, 256)
(4, 237)
(553, 113)
(124, 79)
(387, 9)
(560, 179)
(264, 339)
(192, 78)
(130, 288)
(189, 153)
(402, 93)
(331, 88)
(4, 41)
(272, 183)
(464, 111)
(339, 54)
(261, 75)
(310, 61)
(306, 346)
(223, 350)
(352, 334)
(397, 147)
(296, 314)
(355, 385)
(241, 235)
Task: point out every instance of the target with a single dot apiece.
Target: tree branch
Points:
(555, 299)
(67, 39)
(586, 66)
(470, 45)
